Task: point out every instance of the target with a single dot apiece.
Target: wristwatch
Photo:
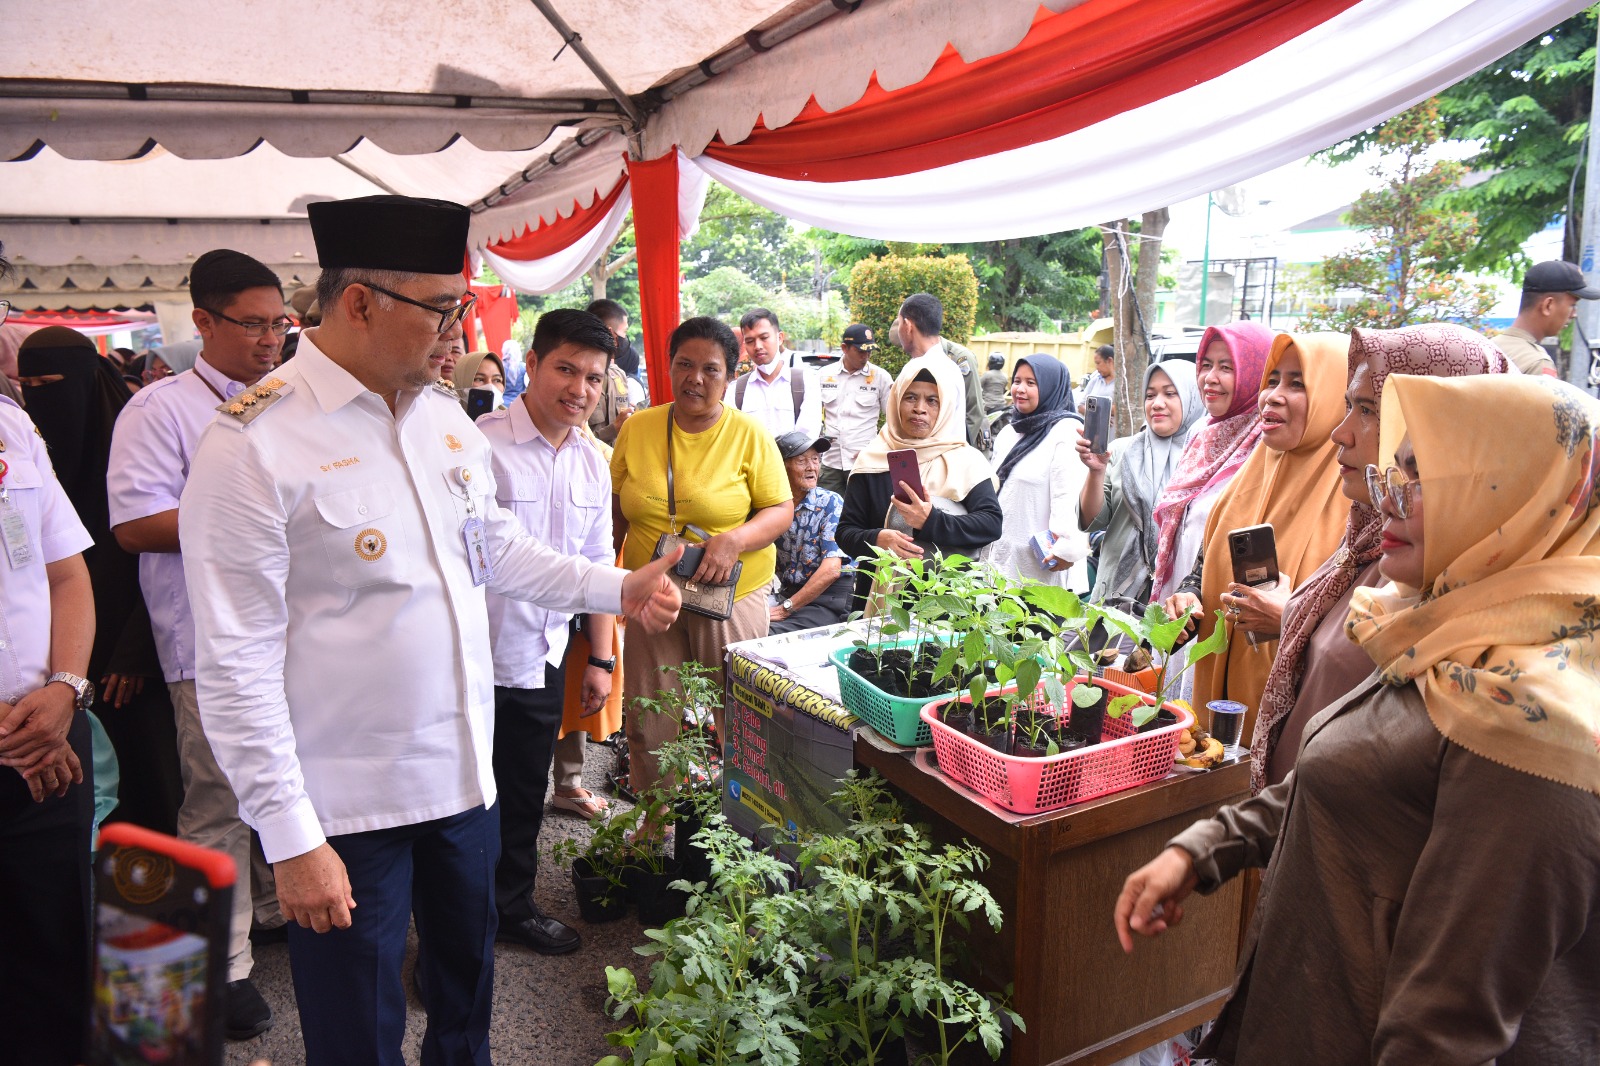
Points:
(608, 665)
(788, 605)
(80, 685)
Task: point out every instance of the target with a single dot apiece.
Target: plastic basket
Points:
(895, 718)
(1123, 759)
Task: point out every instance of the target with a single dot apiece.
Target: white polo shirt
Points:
(772, 402)
(53, 532)
(344, 674)
(562, 496)
(152, 448)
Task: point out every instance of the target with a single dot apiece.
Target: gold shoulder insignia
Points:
(445, 386)
(251, 401)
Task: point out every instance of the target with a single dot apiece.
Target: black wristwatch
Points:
(608, 665)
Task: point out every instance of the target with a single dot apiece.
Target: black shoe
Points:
(278, 934)
(542, 933)
(245, 1014)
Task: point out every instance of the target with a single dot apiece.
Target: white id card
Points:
(478, 559)
(14, 531)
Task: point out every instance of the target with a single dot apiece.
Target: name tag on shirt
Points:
(478, 558)
(14, 531)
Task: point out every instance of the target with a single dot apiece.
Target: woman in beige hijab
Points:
(958, 510)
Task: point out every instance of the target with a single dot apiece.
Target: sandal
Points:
(582, 802)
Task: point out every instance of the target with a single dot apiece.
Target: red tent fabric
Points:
(551, 237)
(1073, 69)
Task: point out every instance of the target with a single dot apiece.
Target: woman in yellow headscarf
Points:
(1288, 482)
(1431, 869)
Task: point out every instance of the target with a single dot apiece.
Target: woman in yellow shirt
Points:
(728, 480)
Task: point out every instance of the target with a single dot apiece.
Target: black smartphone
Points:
(479, 402)
(1097, 424)
(1254, 552)
(160, 950)
(903, 466)
(692, 555)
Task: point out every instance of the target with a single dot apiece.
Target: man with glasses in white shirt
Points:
(239, 311)
(339, 528)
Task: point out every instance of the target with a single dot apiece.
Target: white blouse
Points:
(1042, 494)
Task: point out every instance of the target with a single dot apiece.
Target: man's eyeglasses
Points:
(256, 330)
(448, 316)
(1401, 491)
(5, 310)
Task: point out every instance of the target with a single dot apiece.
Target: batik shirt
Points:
(810, 538)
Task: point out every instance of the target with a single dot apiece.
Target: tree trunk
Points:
(1128, 416)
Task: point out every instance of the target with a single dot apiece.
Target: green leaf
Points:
(1053, 599)
(1028, 673)
(1119, 705)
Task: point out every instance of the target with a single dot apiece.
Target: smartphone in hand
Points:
(1254, 553)
(1097, 424)
(903, 466)
(479, 403)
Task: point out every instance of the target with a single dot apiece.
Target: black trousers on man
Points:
(526, 721)
(44, 915)
(828, 609)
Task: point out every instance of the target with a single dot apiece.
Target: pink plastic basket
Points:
(1123, 759)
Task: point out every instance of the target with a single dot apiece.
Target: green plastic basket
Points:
(895, 718)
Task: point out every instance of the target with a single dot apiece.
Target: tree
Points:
(761, 243)
(1026, 284)
(1030, 283)
(1404, 269)
(1529, 114)
(1133, 257)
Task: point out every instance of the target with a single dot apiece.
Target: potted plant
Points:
(597, 867)
(688, 793)
(1155, 630)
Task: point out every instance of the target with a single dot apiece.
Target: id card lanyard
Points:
(13, 526)
(473, 534)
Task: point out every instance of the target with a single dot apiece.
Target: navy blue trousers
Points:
(347, 981)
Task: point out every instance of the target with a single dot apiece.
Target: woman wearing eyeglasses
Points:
(1316, 663)
(1431, 875)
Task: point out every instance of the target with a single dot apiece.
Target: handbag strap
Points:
(672, 501)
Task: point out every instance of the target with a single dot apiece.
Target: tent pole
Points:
(573, 40)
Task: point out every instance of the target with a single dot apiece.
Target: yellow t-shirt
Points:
(720, 476)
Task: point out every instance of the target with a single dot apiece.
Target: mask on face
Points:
(499, 397)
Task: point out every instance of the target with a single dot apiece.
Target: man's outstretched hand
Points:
(648, 598)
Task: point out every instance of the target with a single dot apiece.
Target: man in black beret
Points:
(341, 520)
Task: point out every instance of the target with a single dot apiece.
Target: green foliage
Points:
(760, 243)
(727, 293)
(1528, 113)
(1029, 283)
(829, 972)
(879, 286)
(1405, 268)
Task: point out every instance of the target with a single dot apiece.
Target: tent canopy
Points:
(932, 120)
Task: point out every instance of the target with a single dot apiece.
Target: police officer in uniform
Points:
(339, 516)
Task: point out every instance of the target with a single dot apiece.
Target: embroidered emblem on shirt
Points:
(371, 544)
(452, 442)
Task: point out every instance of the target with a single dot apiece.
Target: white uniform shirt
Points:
(54, 533)
(152, 447)
(851, 407)
(345, 681)
(772, 402)
(563, 498)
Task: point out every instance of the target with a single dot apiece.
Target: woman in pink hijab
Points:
(1228, 368)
